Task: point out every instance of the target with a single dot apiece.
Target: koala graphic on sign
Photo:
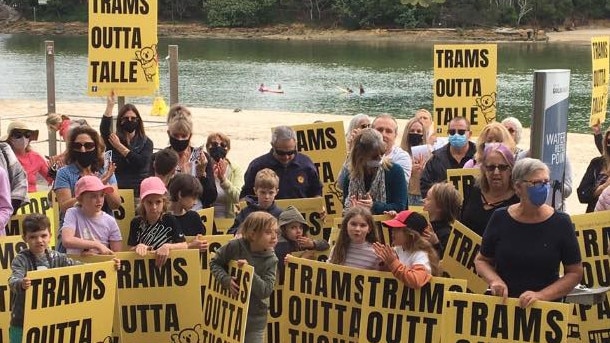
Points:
(187, 335)
(107, 339)
(487, 105)
(147, 56)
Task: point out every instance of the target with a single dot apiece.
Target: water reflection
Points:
(397, 77)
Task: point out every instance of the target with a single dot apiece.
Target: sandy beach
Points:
(249, 130)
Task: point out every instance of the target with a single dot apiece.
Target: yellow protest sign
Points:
(463, 179)
(225, 315)
(600, 63)
(122, 48)
(464, 85)
(84, 295)
(322, 301)
(470, 318)
(125, 213)
(458, 260)
(158, 303)
(311, 209)
(325, 144)
(10, 246)
(594, 321)
(214, 243)
(593, 233)
(392, 312)
(207, 218)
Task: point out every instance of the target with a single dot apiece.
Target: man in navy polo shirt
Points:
(298, 175)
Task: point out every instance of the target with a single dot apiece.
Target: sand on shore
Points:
(249, 130)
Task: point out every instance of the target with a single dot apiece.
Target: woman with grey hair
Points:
(372, 182)
(359, 121)
(524, 243)
(514, 127)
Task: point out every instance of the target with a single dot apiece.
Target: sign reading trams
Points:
(600, 62)
(465, 85)
(122, 47)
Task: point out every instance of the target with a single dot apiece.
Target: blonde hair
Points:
(256, 223)
(415, 242)
(266, 178)
(343, 241)
(404, 144)
(141, 210)
(501, 135)
(179, 120)
(55, 119)
(448, 200)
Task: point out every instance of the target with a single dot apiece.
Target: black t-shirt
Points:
(191, 224)
(165, 230)
(474, 214)
(527, 256)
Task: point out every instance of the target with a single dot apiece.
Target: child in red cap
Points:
(412, 259)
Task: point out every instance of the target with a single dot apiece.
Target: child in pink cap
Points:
(88, 230)
(154, 228)
(412, 260)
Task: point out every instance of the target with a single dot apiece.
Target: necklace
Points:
(492, 204)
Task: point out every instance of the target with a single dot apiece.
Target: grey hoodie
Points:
(264, 263)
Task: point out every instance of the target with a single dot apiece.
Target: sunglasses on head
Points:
(284, 153)
(365, 126)
(87, 145)
(19, 134)
(500, 167)
(461, 132)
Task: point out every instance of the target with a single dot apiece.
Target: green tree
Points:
(239, 13)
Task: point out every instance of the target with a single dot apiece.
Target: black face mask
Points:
(218, 153)
(415, 139)
(179, 145)
(129, 126)
(85, 158)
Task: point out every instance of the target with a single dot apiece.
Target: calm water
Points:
(226, 74)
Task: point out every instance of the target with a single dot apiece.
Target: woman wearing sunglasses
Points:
(131, 148)
(19, 137)
(494, 188)
(525, 243)
(228, 176)
(492, 133)
(85, 156)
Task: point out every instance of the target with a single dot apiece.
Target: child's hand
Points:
(117, 263)
(26, 283)
(199, 243)
(162, 254)
(104, 250)
(286, 258)
(142, 249)
(306, 242)
(385, 253)
(242, 262)
(234, 286)
(391, 213)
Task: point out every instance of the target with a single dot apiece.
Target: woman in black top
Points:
(131, 148)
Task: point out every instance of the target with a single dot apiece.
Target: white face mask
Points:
(20, 143)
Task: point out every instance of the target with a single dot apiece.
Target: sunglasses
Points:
(284, 153)
(511, 130)
(365, 126)
(460, 132)
(538, 183)
(126, 119)
(216, 144)
(19, 134)
(501, 167)
(88, 146)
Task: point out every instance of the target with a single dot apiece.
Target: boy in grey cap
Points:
(293, 237)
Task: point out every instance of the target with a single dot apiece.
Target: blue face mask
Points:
(538, 193)
(457, 140)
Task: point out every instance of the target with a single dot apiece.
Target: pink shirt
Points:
(34, 164)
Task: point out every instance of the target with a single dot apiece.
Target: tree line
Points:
(349, 14)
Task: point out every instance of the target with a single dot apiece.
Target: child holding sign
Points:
(354, 247)
(184, 190)
(153, 228)
(255, 247)
(413, 259)
(87, 229)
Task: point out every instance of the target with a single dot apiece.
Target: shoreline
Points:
(580, 35)
(249, 130)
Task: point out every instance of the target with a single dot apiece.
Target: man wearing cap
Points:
(451, 156)
(19, 137)
(16, 174)
(298, 175)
